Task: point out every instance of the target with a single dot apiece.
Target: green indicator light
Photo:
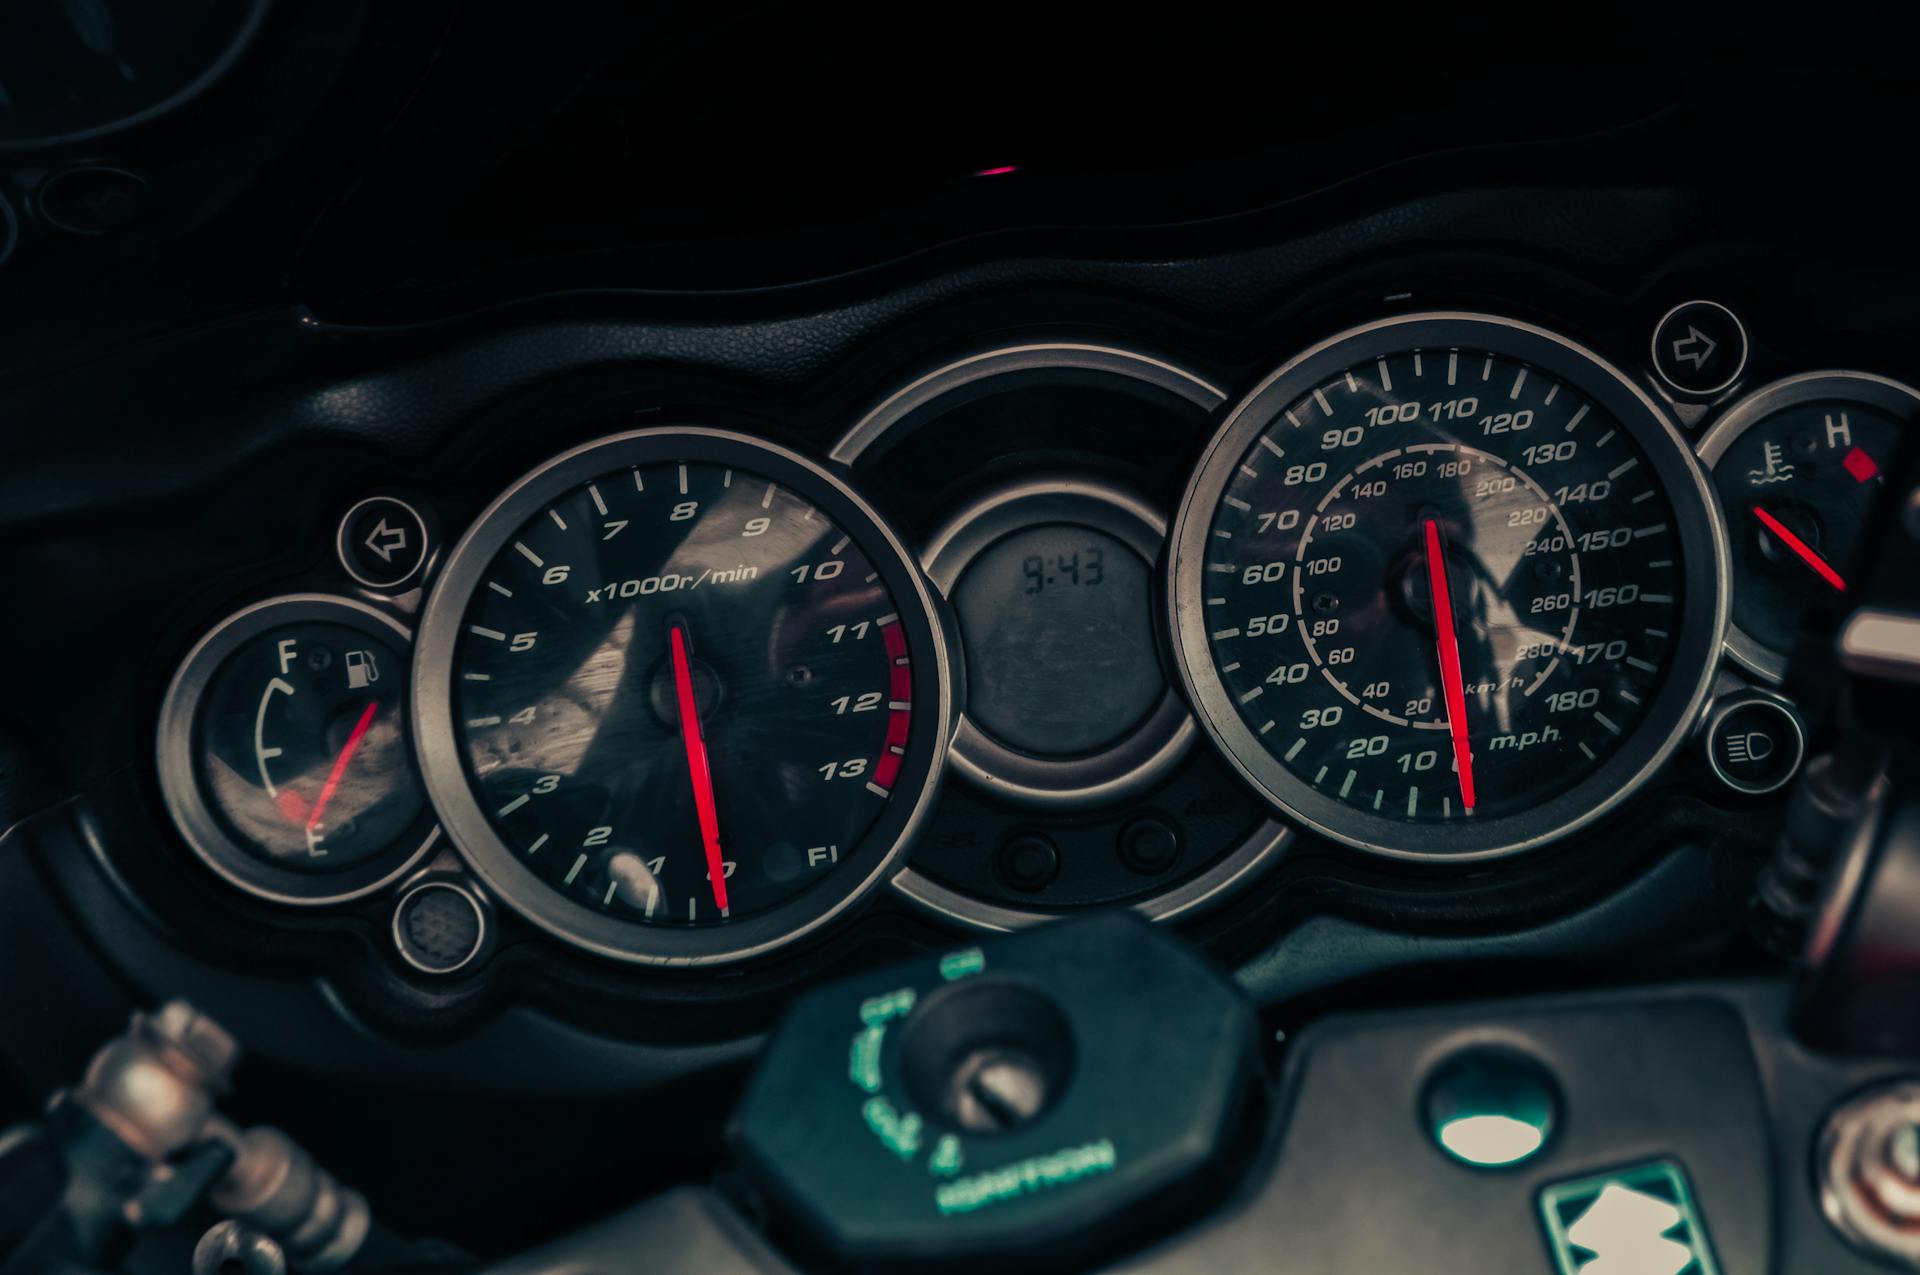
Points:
(1489, 1107)
(898, 1133)
(958, 965)
(1042, 1172)
(946, 1159)
(876, 1011)
(863, 1059)
(1640, 1220)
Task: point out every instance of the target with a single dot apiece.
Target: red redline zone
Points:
(886, 768)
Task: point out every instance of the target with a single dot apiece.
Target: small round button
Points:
(1490, 1107)
(382, 542)
(1699, 348)
(1149, 846)
(1029, 862)
(1755, 745)
(438, 927)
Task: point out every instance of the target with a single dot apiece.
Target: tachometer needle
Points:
(1451, 684)
(697, 767)
(1801, 549)
(347, 750)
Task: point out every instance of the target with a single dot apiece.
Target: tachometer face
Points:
(1446, 585)
(694, 696)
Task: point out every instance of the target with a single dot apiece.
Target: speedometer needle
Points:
(1452, 686)
(1801, 549)
(697, 767)
(352, 746)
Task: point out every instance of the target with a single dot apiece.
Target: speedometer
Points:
(1447, 585)
(681, 697)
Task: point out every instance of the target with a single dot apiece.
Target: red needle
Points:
(1451, 684)
(1800, 547)
(697, 766)
(347, 751)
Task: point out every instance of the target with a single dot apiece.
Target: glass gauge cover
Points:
(1799, 466)
(285, 752)
(1446, 585)
(691, 698)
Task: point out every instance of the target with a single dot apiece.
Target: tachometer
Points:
(680, 696)
(1447, 585)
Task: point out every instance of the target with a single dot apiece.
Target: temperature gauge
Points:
(284, 751)
(1798, 466)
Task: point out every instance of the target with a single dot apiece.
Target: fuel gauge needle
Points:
(1452, 685)
(1801, 549)
(697, 767)
(355, 738)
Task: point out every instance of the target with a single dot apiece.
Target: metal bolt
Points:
(199, 1037)
(1903, 1152)
(228, 1247)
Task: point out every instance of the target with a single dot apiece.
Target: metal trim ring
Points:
(1675, 711)
(483, 933)
(905, 406)
(179, 777)
(999, 370)
(1147, 752)
(437, 738)
(1879, 392)
(345, 555)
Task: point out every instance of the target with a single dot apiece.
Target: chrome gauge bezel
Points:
(1696, 648)
(999, 370)
(1865, 388)
(440, 748)
(180, 786)
(1145, 754)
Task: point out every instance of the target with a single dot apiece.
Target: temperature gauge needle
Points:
(697, 767)
(1452, 685)
(1801, 549)
(347, 750)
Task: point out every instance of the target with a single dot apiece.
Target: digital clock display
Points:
(1057, 625)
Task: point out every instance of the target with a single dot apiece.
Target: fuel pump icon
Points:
(362, 670)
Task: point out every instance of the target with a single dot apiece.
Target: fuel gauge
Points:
(1798, 466)
(285, 756)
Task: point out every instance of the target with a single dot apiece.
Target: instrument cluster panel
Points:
(1047, 625)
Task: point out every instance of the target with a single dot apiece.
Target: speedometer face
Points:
(1445, 583)
(689, 678)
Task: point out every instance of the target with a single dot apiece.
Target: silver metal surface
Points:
(180, 783)
(228, 1248)
(1869, 1189)
(155, 1084)
(1131, 764)
(1696, 648)
(1883, 644)
(1043, 358)
(438, 742)
(1863, 388)
(276, 1186)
